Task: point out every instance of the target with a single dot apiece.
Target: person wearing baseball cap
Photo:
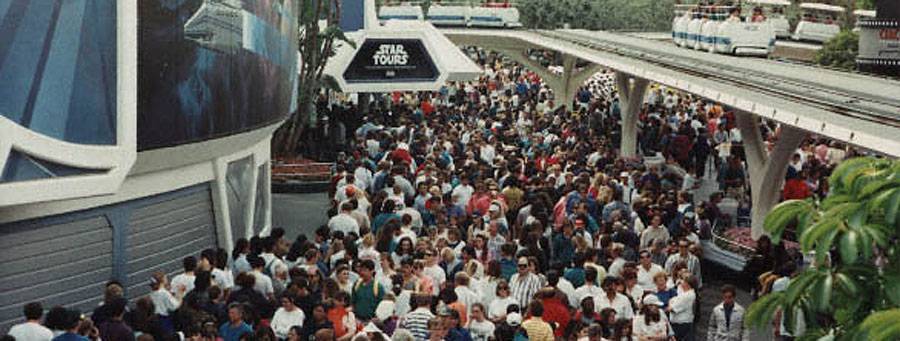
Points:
(651, 324)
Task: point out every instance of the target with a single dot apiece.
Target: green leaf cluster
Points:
(855, 296)
(840, 51)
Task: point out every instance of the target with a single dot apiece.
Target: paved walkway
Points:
(299, 213)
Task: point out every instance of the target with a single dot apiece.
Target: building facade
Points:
(132, 134)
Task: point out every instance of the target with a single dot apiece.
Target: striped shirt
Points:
(538, 330)
(523, 288)
(693, 265)
(417, 322)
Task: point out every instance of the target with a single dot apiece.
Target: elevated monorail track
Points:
(842, 101)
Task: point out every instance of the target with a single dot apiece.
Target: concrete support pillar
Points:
(568, 91)
(564, 86)
(766, 170)
(573, 80)
(554, 82)
(631, 95)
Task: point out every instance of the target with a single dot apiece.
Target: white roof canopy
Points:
(864, 13)
(821, 7)
(423, 47)
(771, 2)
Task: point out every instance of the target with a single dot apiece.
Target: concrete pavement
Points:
(299, 213)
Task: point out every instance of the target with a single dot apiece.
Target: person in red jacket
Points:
(556, 312)
(427, 107)
(795, 187)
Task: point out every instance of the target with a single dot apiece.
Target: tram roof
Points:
(771, 2)
(821, 7)
(865, 13)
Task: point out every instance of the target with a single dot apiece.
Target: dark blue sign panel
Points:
(391, 60)
(212, 68)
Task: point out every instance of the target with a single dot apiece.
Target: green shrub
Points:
(632, 15)
(840, 51)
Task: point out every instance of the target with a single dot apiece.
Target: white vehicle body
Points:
(709, 33)
(494, 17)
(694, 33)
(745, 38)
(863, 14)
(774, 10)
(448, 15)
(819, 22)
(714, 30)
(400, 12)
(679, 28)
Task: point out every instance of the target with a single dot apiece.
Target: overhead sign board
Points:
(391, 60)
(405, 55)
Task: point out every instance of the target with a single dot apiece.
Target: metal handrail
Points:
(717, 233)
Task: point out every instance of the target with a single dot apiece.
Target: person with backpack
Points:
(367, 292)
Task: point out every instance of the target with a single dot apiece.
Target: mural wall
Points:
(212, 68)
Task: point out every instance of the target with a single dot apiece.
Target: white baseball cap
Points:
(652, 300)
(514, 319)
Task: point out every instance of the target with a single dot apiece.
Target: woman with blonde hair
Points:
(367, 249)
(597, 183)
(581, 244)
(425, 283)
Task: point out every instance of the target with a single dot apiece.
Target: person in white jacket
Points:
(287, 316)
(681, 310)
(726, 323)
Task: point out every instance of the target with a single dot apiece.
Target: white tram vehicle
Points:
(441, 15)
(400, 12)
(862, 14)
(819, 22)
(491, 15)
(721, 29)
(450, 14)
(774, 12)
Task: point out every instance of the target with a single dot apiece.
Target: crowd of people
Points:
(479, 212)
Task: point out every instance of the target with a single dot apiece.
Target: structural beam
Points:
(573, 79)
(766, 170)
(564, 86)
(553, 81)
(631, 95)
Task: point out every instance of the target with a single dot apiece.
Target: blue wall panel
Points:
(67, 259)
